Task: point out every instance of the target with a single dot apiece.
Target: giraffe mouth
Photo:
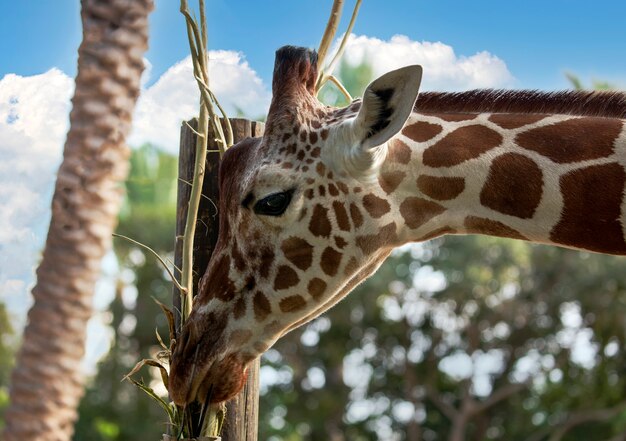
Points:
(201, 370)
(210, 382)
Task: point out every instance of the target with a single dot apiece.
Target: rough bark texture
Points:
(47, 384)
(242, 411)
(241, 422)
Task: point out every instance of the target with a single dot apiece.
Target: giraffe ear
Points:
(387, 104)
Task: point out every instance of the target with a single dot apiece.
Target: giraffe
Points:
(313, 207)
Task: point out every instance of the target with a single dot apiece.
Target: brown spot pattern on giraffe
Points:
(399, 152)
(267, 259)
(386, 237)
(222, 288)
(479, 225)
(260, 347)
(240, 337)
(461, 145)
(341, 215)
(292, 304)
(340, 242)
(238, 259)
(261, 306)
(355, 214)
(343, 187)
(330, 261)
(298, 251)
(391, 180)
(319, 224)
(286, 277)
(514, 186)
(422, 131)
(417, 211)
(351, 267)
(592, 209)
(573, 140)
(375, 206)
(272, 327)
(515, 120)
(441, 188)
(316, 288)
(240, 308)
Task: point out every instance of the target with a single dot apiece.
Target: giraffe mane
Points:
(581, 103)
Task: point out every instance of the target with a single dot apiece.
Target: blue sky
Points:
(538, 40)
(461, 44)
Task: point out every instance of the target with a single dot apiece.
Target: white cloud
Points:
(33, 121)
(444, 70)
(174, 97)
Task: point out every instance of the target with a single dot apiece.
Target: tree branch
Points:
(586, 416)
(500, 394)
(447, 409)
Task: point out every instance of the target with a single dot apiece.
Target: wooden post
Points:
(241, 422)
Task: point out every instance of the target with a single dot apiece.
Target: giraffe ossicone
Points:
(313, 207)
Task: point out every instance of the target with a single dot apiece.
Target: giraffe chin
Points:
(212, 383)
(217, 390)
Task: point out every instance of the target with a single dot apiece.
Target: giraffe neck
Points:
(555, 179)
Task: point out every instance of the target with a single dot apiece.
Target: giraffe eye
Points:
(274, 204)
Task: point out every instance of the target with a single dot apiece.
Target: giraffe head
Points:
(300, 224)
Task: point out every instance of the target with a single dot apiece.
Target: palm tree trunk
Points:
(47, 384)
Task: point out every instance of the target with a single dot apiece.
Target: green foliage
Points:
(354, 78)
(4, 403)
(112, 410)
(107, 429)
(378, 364)
(6, 346)
(7, 353)
(577, 84)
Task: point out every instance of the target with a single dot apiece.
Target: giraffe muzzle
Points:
(201, 369)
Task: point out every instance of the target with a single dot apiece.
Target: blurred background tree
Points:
(354, 78)
(577, 83)
(7, 356)
(111, 409)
